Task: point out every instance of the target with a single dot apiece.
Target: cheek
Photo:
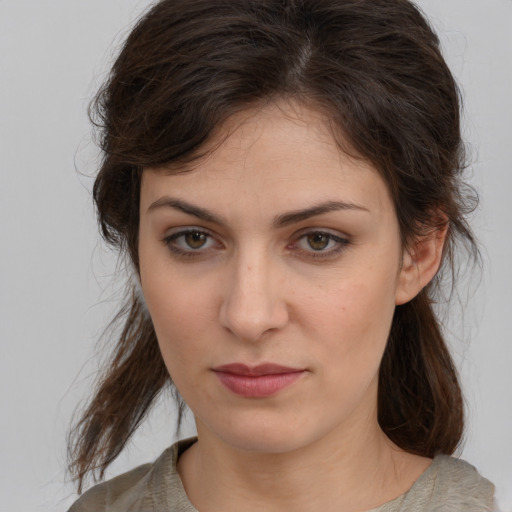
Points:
(353, 320)
(357, 333)
(181, 313)
(357, 305)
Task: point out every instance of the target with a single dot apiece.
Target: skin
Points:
(316, 292)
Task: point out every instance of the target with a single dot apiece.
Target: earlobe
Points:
(420, 264)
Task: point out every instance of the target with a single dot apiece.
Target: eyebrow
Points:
(190, 209)
(329, 206)
(280, 221)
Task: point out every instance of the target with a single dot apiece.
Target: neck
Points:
(356, 470)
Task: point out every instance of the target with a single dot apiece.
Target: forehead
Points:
(282, 153)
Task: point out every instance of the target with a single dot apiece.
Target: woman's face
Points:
(271, 272)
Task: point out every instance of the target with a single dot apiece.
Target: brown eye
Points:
(191, 242)
(318, 241)
(319, 244)
(195, 239)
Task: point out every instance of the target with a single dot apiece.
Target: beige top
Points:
(448, 485)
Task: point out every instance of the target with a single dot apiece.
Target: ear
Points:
(420, 263)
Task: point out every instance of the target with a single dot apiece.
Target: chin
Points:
(265, 434)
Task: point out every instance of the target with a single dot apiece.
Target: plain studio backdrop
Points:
(56, 293)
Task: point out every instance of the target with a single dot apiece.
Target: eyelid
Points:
(176, 233)
(342, 241)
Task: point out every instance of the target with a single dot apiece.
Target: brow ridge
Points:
(329, 206)
(185, 207)
(279, 221)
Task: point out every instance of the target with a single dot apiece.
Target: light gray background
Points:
(54, 292)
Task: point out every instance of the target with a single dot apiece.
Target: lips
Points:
(257, 381)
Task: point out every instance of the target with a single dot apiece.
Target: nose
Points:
(253, 302)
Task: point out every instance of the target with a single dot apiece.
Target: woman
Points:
(285, 180)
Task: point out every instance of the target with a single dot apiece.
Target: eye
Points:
(319, 244)
(191, 242)
(318, 241)
(195, 239)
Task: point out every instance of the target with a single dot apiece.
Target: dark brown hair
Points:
(374, 68)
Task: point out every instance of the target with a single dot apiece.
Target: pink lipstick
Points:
(257, 381)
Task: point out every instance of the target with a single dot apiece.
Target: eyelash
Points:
(170, 243)
(341, 244)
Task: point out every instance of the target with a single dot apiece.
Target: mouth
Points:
(259, 381)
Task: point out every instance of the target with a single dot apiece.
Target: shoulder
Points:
(150, 487)
(130, 486)
(451, 484)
